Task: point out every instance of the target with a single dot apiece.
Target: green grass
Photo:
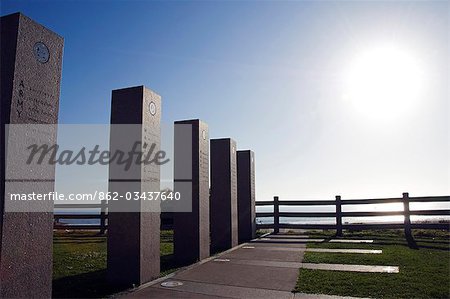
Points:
(424, 271)
(79, 264)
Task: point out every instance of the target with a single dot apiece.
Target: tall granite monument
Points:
(223, 214)
(246, 195)
(30, 62)
(191, 175)
(134, 225)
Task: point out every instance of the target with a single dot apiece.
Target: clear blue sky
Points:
(272, 76)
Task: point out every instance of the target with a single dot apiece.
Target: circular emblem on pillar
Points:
(204, 135)
(41, 52)
(152, 108)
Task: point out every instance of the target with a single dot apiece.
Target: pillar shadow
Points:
(87, 285)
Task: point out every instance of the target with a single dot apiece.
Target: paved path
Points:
(263, 268)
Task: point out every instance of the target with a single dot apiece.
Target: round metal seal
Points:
(171, 284)
(41, 52)
(152, 107)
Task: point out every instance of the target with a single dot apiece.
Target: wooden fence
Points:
(101, 215)
(339, 214)
(166, 218)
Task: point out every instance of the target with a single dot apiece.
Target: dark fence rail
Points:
(338, 214)
(166, 222)
(101, 214)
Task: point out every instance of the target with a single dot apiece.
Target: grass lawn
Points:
(424, 272)
(79, 263)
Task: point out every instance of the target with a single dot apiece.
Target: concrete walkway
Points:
(246, 271)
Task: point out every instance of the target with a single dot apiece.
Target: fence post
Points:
(276, 215)
(103, 217)
(406, 214)
(338, 216)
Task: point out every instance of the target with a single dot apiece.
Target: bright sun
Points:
(384, 83)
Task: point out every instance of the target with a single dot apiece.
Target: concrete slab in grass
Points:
(294, 265)
(191, 287)
(350, 241)
(285, 236)
(351, 268)
(228, 273)
(279, 240)
(331, 267)
(277, 245)
(284, 248)
(326, 250)
(257, 253)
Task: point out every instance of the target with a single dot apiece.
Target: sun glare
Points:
(384, 83)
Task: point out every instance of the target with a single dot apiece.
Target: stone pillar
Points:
(134, 226)
(223, 214)
(246, 195)
(31, 60)
(191, 175)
